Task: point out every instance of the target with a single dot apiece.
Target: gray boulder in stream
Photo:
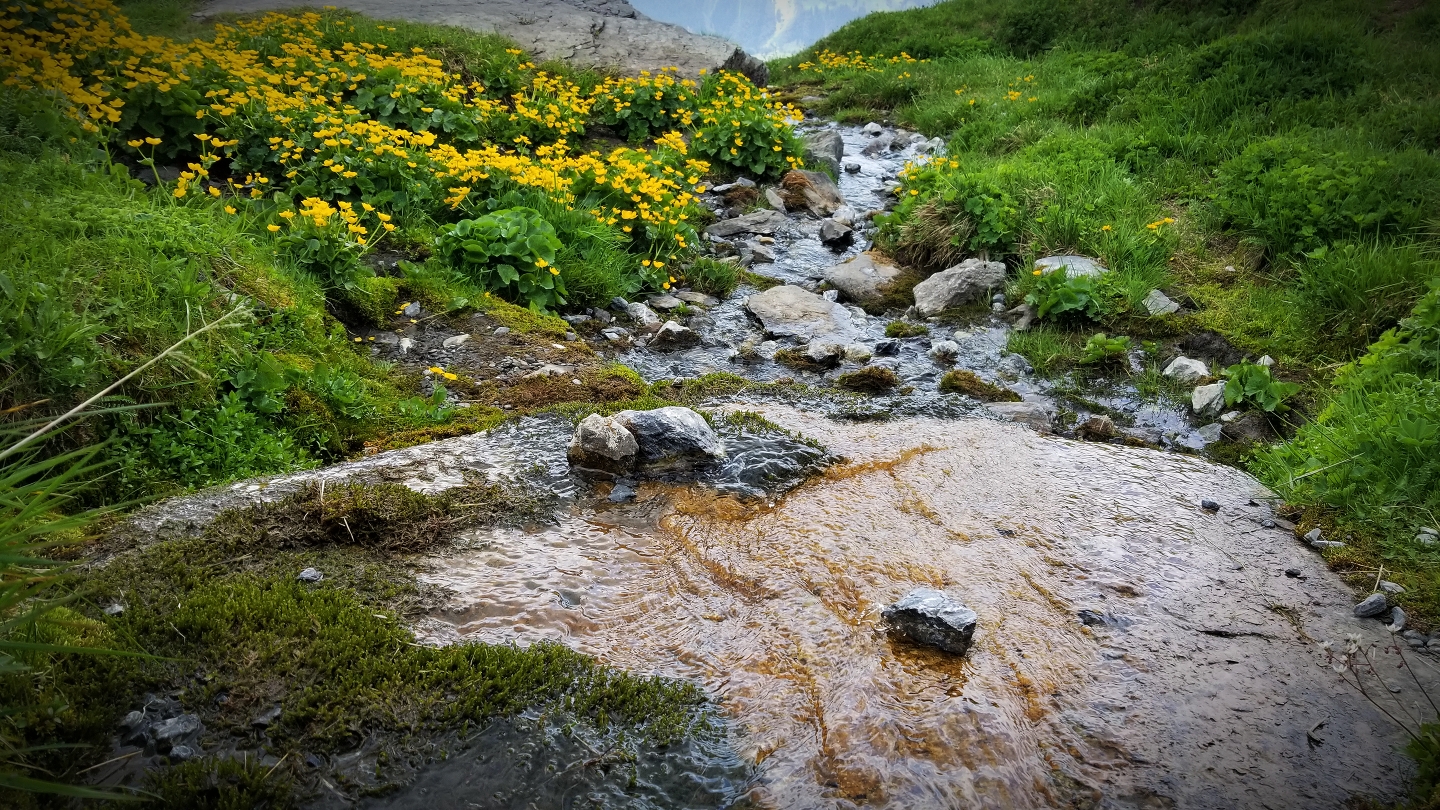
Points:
(603, 444)
(962, 284)
(930, 617)
(665, 434)
(825, 148)
(794, 312)
(811, 190)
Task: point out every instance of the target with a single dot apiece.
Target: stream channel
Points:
(1133, 650)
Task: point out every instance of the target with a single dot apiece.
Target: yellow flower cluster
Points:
(830, 61)
(293, 104)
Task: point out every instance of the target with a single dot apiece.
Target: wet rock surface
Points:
(965, 283)
(666, 434)
(930, 617)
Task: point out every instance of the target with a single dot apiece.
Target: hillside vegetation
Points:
(1272, 166)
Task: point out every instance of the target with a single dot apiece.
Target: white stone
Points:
(858, 353)
(1157, 303)
(603, 443)
(1207, 400)
(1186, 371)
(1075, 266)
(456, 340)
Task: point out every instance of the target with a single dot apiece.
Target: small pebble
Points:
(1293, 573)
(1209, 506)
(310, 575)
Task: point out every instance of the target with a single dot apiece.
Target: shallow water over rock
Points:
(1191, 679)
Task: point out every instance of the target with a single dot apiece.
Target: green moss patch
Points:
(965, 382)
(869, 380)
(905, 329)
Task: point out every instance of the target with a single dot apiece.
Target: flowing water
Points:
(1133, 649)
(1192, 679)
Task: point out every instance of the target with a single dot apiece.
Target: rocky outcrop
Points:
(584, 33)
(793, 312)
(965, 283)
(864, 279)
(930, 617)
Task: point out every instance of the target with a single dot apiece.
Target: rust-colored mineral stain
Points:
(775, 608)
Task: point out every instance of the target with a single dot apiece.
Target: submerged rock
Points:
(1036, 415)
(793, 312)
(604, 444)
(965, 283)
(930, 617)
(864, 279)
(836, 234)
(664, 434)
(1075, 266)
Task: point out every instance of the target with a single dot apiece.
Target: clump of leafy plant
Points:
(713, 277)
(433, 408)
(1100, 349)
(869, 380)
(743, 132)
(1058, 293)
(646, 106)
(1253, 384)
(510, 252)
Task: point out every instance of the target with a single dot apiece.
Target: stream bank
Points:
(1136, 648)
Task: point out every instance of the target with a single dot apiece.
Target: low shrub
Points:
(712, 276)
(1363, 288)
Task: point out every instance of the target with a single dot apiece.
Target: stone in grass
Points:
(1157, 303)
(869, 380)
(1075, 266)
(1397, 619)
(1374, 605)
(603, 444)
(1208, 400)
(310, 575)
(1186, 371)
(961, 381)
(930, 617)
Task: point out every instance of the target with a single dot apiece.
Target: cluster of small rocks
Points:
(161, 727)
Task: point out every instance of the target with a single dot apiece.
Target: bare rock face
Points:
(863, 279)
(794, 312)
(962, 284)
(666, 434)
(673, 337)
(585, 33)
(603, 444)
(930, 617)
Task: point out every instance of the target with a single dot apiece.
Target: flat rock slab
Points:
(611, 34)
(794, 312)
(761, 222)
